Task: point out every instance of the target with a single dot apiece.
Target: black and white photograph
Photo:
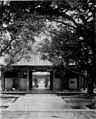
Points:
(47, 59)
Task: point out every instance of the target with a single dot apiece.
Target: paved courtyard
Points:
(43, 106)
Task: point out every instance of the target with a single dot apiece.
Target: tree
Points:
(78, 15)
(65, 48)
(20, 32)
(81, 19)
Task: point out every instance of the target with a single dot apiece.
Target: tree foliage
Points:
(17, 32)
(77, 16)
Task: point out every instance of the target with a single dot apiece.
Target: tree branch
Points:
(65, 24)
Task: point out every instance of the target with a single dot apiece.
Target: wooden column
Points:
(51, 80)
(78, 83)
(27, 80)
(30, 79)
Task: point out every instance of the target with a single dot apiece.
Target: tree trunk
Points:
(90, 88)
(90, 81)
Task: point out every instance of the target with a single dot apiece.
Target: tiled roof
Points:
(35, 60)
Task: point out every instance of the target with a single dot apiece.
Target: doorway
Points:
(41, 80)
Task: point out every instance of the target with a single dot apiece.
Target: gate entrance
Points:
(27, 78)
(40, 80)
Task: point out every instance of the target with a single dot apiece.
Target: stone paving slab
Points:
(41, 102)
(44, 115)
(43, 106)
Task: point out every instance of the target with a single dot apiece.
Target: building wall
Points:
(56, 84)
(15, 83)
(8, 83)
(15, 80)
(22, 83)
(69, 81)
(72, 83)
